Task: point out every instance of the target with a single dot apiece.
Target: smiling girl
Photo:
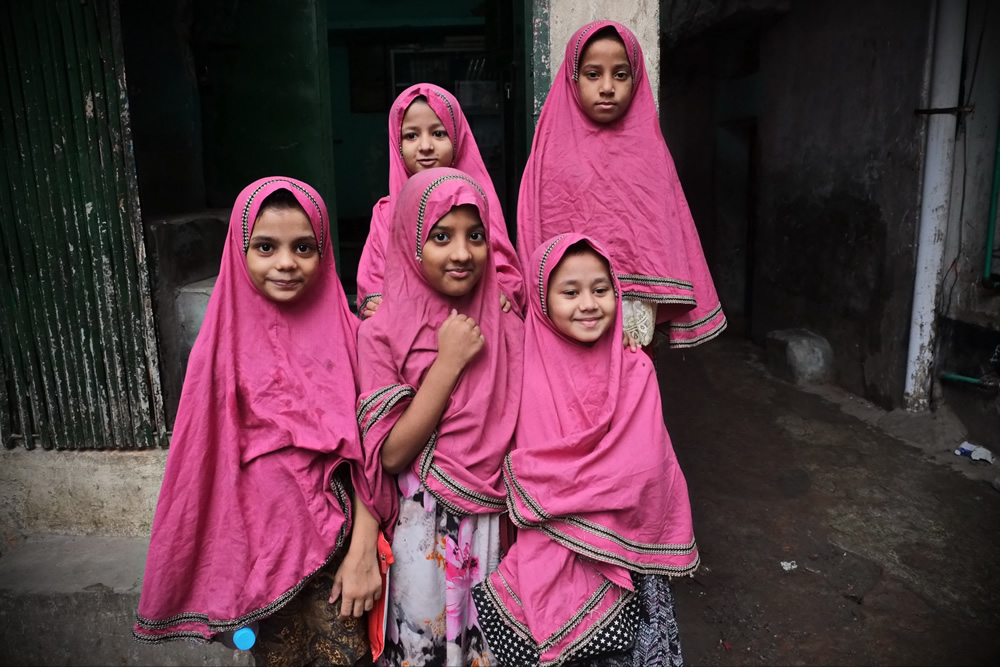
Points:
(256, 518)
(599, 166)
(593, 485)
(440, 380)
(427, 130)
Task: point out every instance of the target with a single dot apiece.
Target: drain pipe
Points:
(948, 20)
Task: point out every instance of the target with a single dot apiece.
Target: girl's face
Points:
(425, 140)
(605, 80)
(581, 298)
(283, 258)
(455, 253)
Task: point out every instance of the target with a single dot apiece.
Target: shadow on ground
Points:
(897, 556)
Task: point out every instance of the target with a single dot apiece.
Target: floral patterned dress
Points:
(439, 557)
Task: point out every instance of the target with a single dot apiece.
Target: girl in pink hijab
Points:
(255, 519)
(427, 129)
(440, 386)
(599, 166)
(593, 485)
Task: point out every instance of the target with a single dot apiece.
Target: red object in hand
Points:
(377, 616)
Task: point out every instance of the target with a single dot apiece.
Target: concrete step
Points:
(72, 601)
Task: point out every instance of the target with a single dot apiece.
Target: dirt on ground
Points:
(825, 539)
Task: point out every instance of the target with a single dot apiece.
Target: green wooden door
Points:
(79, 363)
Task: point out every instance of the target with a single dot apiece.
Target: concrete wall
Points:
(968, 326)
(77, 493)
(964, 297)
(841, 155)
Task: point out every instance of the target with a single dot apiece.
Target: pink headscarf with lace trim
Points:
(616, 183)
(593, 481)
(460, 465)
(372, 267)
(255, 497)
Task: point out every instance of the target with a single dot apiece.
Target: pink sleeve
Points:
(509, 272)
(371, 268)
(381, 402)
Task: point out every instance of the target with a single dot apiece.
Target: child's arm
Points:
(459, 340)
(358, 577)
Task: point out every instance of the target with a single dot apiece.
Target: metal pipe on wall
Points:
(939, 157)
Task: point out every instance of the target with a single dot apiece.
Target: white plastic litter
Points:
(975, 452)
(788, 565)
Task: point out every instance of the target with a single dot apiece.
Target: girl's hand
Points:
(504, 303)
(628, 342)
(357, 582)
(370, 307)
(459, 340)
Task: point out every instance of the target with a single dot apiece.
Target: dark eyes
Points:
(437, 134)
(300, 248)
(599, 291)
(475, 237)
(621, 75)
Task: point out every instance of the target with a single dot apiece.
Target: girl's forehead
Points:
(604, 46)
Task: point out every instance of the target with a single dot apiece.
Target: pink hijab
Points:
(460, 465)
(255, 497)
(617, 183)
(371, 269)
(593, 482)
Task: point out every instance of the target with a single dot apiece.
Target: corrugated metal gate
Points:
(79, 361)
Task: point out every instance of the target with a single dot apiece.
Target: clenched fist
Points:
(459, 340)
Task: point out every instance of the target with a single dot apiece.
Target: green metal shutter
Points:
(79, 362)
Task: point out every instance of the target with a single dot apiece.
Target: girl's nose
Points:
(460, 251)
(426, 143)
(284, 260)
(587, 301)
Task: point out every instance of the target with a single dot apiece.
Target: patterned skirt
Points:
(439, 557)
(645, 634)
(309, 631)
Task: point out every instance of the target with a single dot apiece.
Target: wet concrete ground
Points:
(896, 552)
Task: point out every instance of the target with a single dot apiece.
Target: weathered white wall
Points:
(77, 493)
(962, 296)
(557, 20)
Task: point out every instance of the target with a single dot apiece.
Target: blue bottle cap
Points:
(244, 638)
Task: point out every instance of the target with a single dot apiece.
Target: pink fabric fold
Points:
(255, 494)
(460, 465)
(593, 481)
(617, 183)
(372, 267)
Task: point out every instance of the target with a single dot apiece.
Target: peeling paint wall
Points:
(963, 296)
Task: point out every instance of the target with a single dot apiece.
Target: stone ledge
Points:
(72, 601)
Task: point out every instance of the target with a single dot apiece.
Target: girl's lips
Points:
(589, 324)
(459, 273)
(285, 284)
